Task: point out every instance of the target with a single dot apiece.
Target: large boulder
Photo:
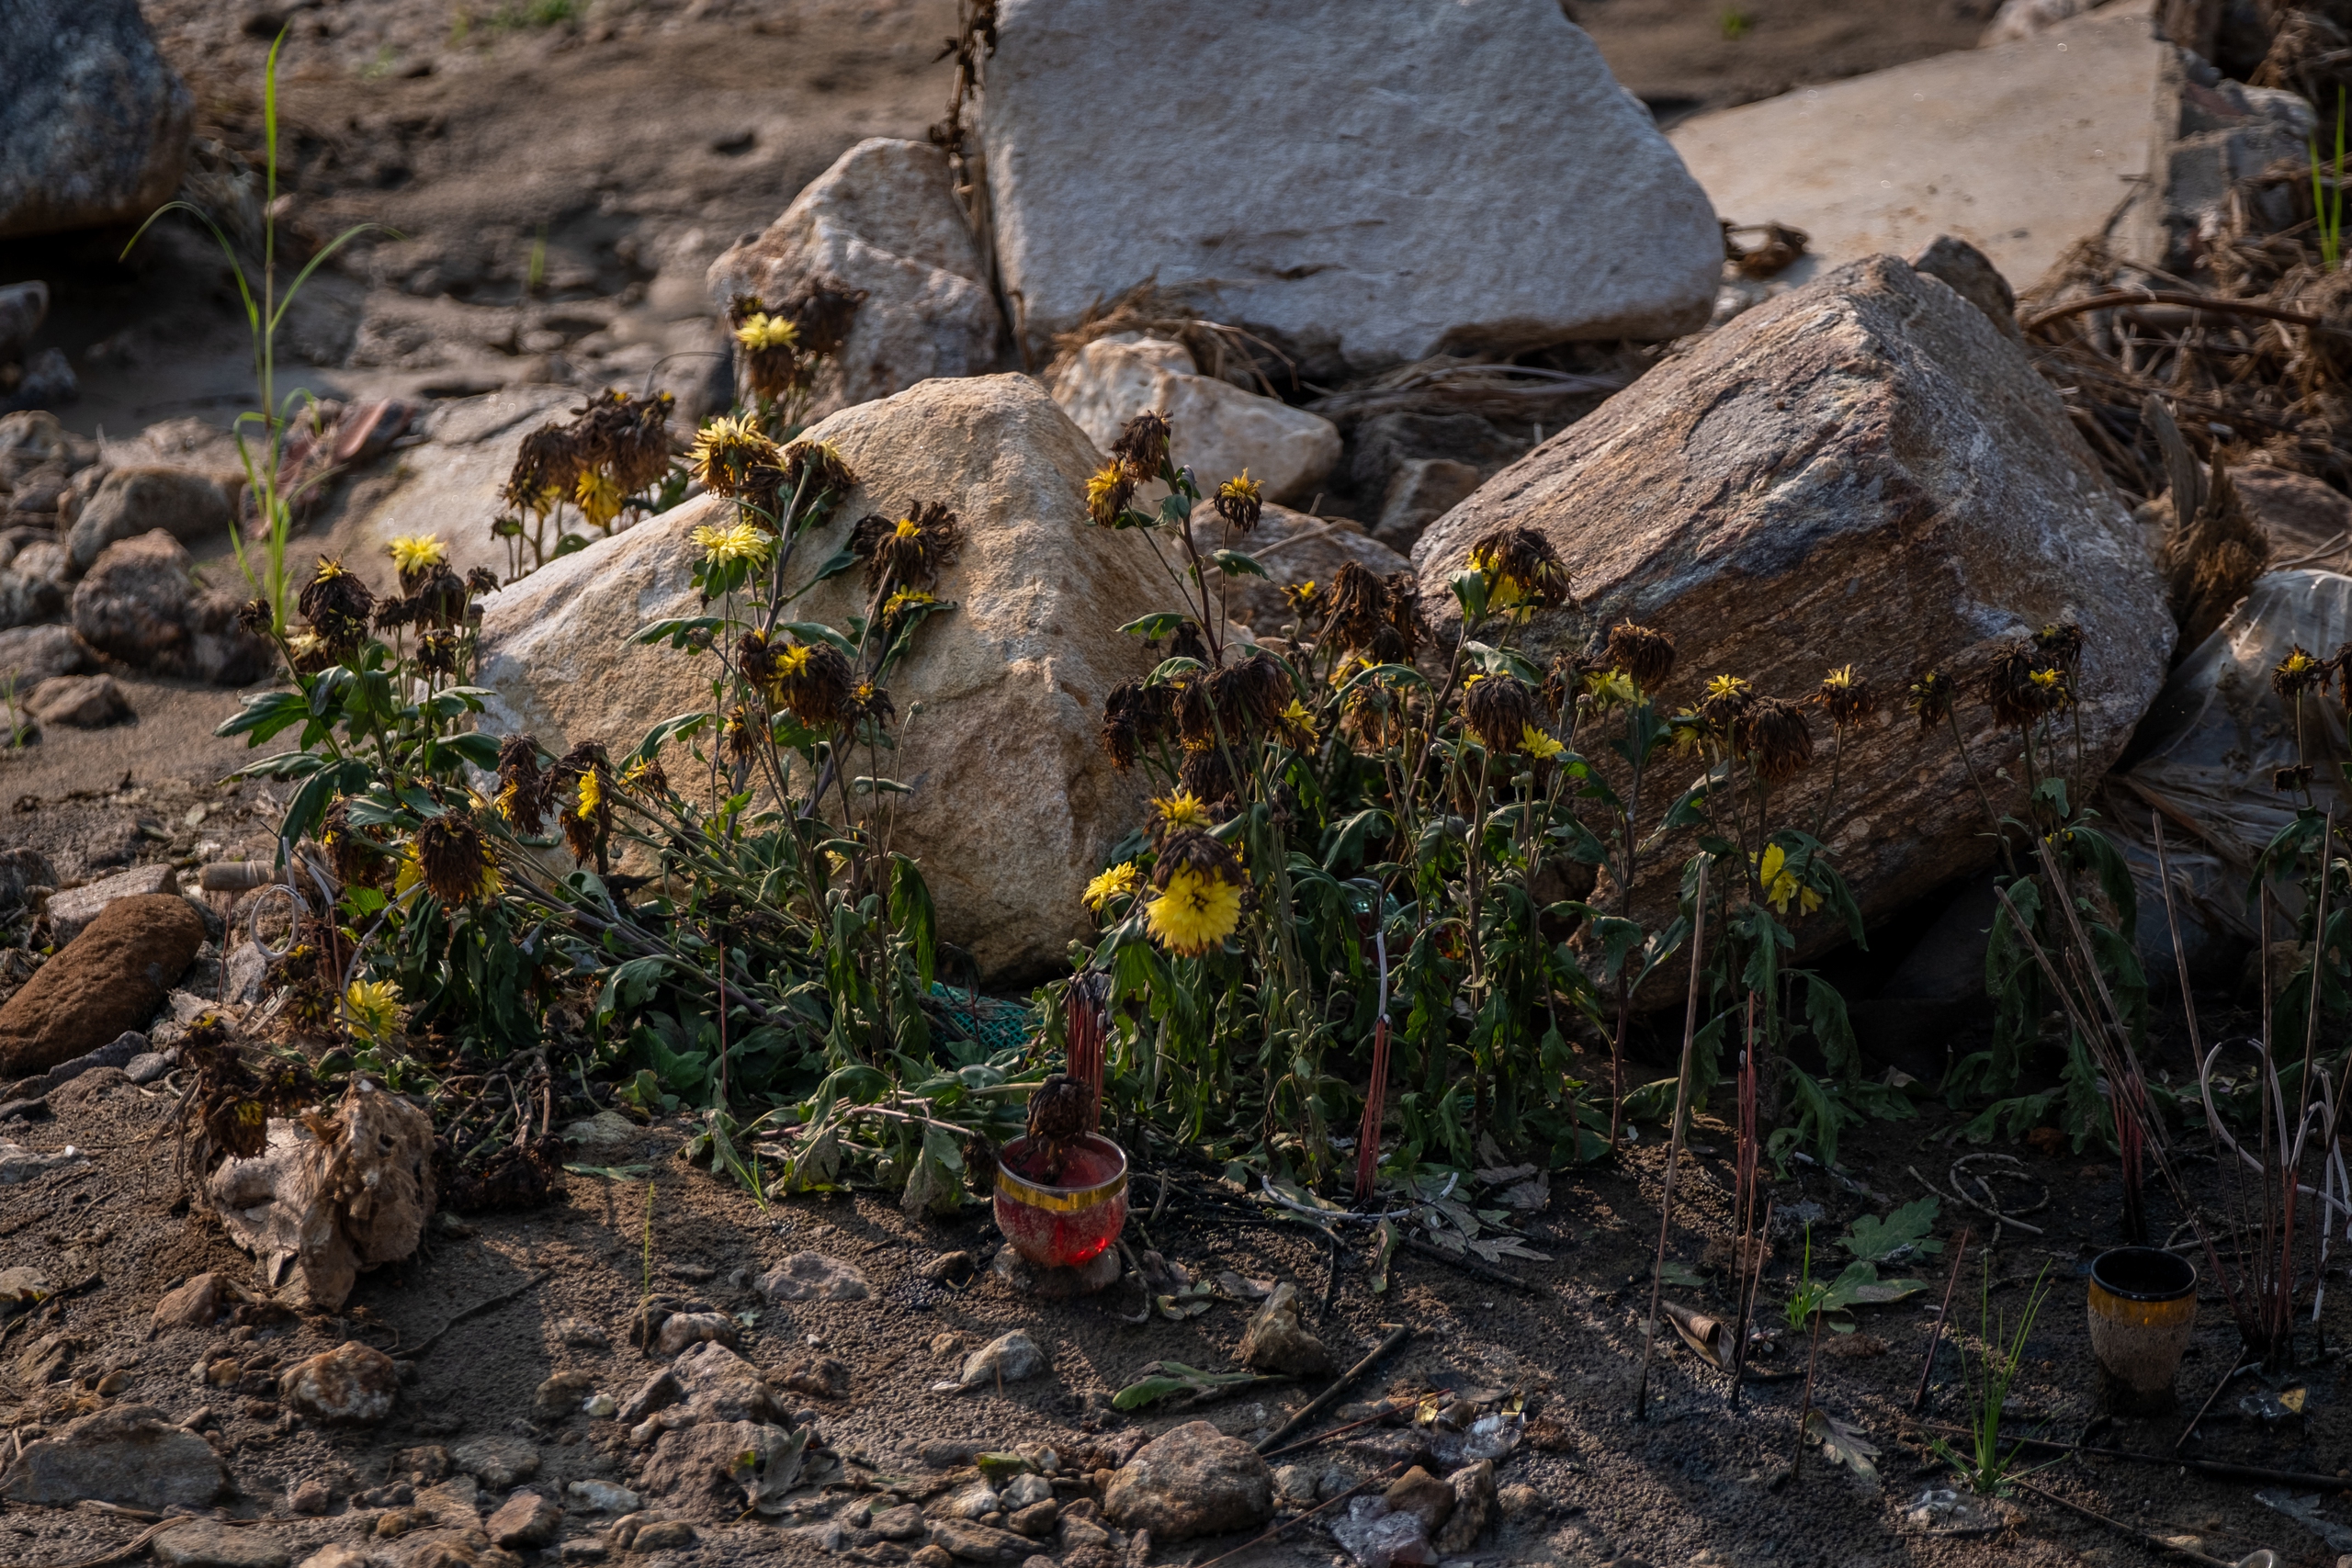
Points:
(142, 603)
(190, 507)
(1374, 181)
(94, 125)
(34, 654)
(1220, 429)
(1014, 804)
(883, 219)
(1863, 471)
(111, 979)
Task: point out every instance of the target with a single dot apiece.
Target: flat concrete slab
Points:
(2020, 148)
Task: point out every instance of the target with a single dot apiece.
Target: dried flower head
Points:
(1647, 655)
(821, 307)
(338, 606)
(1724, 702)
(1523, 572)
(869, 704)
(1198, 897)
(770, 348)
(1930, 699)
(521, 788)
(583, 811)
(907, 552)
(359, 855)
(1400, 640)
(439, 652)
(625, 438)
(2297, 674)
(1354, 607)
(454, 859)
(1499, 708)
(1250, 695)
(727, 455)
(1135, 716)
(815, 684)
(2060, 643)
(1142, 445)
(1240, 501)
(645, 777)
(254, 616)
(439, 599)
(1297, 725)
(1847, 697)
(1563, 680)
(546, 466)
(2021, 688)
(1108, 492)
(1203, 773)
(1774, 739)
(2293, 778)
(817, 467)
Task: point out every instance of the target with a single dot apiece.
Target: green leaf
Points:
(816, 631)
(1877, 1239)
(1155, 627)
(1163, 1378)
(1233, 561)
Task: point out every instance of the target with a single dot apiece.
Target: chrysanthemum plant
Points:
(612, 460)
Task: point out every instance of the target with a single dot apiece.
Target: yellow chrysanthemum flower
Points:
(1611, 689)
(591, 794)
(372, 1010)
(1108, 492)
(727, 450)
(2048, 679)
(760, 331)
(600, 499)
(416, 552)
(1724, 686)
(1182, 810)
(1537, 744)
(736, 541)
(1781, 885)
(1118, 881)
(1195, 912)
(1297, 722)
(905, 599)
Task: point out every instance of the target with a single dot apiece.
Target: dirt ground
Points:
(1692, 1484)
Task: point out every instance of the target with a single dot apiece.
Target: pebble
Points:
(353, 1383)
(526, 1519)
(124, 1454)
(1008, 1358)
(600, 1407)
(904, 1522)
(813, 1277)
(603, 1497)
(1193, 1480)
(209, 1543)
(311, 1497)
(497, 1462)
(559, 1397)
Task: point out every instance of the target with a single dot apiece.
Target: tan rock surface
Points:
(1864, 469)
(1014, 804)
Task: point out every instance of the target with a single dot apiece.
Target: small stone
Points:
(970, 1541)
(950, 1269)
(1027, 1492)
(79, 702)
(423, 1465)
(1418, 1492)
(904, 1522)
(312, 1497)
(581, 1336)
(1037, 1520)
(526, 1519)
(125, 1454)
(560, 1397)
(1519, 1500)
(823, 1377)
(813, 1277)
(1079, 1533)
(146, 1067)
(584, 1552)
(352, 1383)
(683, 1330)
(663, 1535)
(497, 1462)
(606, 1138)
(1008, 1358)
(1474, 1509)
(110, 979)
(1192, 1481)
(1276, 1341)
(209, 1543)
(342, 1554)
(603, 1497)
(199, 1303)
(600, 1408)
(657, 1392)
(975, 1502)
(933, 1557)
(1039, 1561)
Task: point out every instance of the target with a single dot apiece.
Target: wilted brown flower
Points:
(770, 348)
(1186, 642)
(482, 580)
(521, 788)
(813, 467)
(1240, 501)
(1400, 606)
(739, 737)
(1203, 773)
(1134, 715)
(338, 606)
(909, 552)
(1774, 739)
(869, 704)
(455, 859)
(815, 682)
(2297, 674)
(254, 616)
(438, 652)
(1498, 708)
(578, 788)
(1847, 697)
(1142, 445)
(1930, 699)
(1354, 607)
(357, 854)
(546, 468)
(439, 599)
(1724, 702)
(627, 438)
(1647, 655)
(822, 307)
(1563, 680)
(2021, 688)
(1523, 572)
(2060, 643)
(1252, 693)
(2297, 776)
